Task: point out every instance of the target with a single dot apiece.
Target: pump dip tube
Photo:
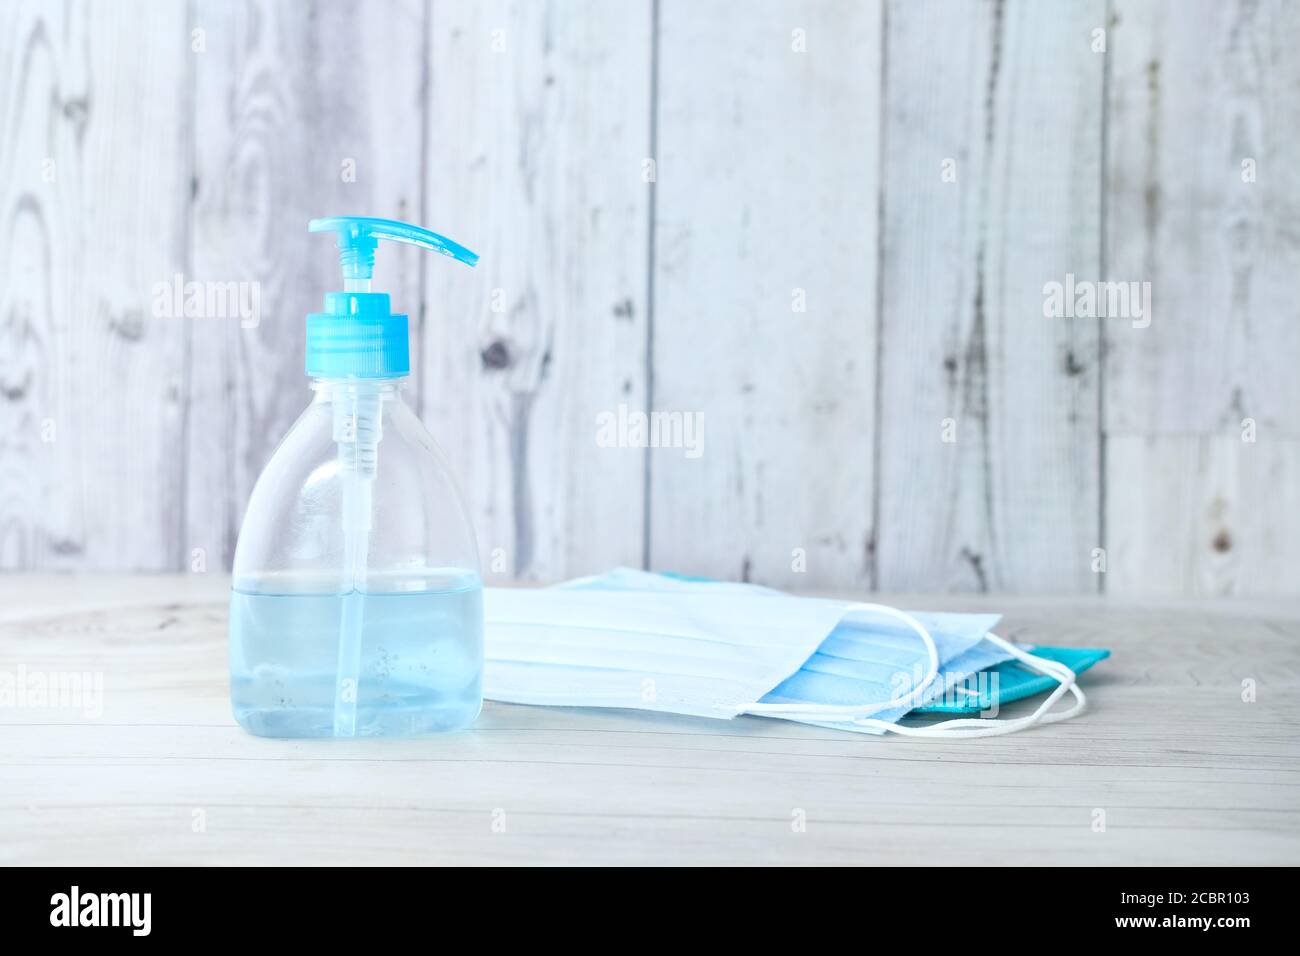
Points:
(357, 429)
(356, 603)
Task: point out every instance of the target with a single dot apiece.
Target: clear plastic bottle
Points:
(356, 605)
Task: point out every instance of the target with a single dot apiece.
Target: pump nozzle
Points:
(358, 236)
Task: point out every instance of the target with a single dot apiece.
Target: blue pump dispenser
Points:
(358, 336)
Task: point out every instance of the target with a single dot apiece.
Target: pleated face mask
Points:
(712, 649)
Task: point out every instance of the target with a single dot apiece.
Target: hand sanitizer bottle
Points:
(356, 605)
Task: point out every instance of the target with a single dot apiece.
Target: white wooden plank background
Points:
(1007, 98)
(1184, 770)
(765, 289)
(797, 146)
(538, 127)
(1197, 90)
(93, 175)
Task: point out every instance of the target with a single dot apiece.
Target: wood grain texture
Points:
(1186, 772)
(538, 126)
(989, 433)
(1203, 514)
(1203, 204)
(296, 116)
(765, 289)
(93, 174)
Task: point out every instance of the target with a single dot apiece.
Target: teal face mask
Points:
(714, 649)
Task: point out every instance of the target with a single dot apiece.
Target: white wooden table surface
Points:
(1184, 770)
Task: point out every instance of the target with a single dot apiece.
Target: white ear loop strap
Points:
(960, 727)
(984, 727)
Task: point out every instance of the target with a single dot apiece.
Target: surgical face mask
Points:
(711, 649)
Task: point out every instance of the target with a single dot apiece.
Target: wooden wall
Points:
(822, 227)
